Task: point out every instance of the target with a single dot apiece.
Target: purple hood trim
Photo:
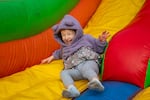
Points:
(68, 22)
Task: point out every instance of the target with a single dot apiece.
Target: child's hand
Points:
(47, 60)
(104, 36)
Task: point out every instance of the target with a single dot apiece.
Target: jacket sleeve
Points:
(98, 46)
(57, 54)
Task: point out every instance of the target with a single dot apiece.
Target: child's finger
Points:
(43, 61)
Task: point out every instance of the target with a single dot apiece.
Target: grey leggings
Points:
(86, 70)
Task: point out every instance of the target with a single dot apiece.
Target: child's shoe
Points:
(71, 92)
(95, 84)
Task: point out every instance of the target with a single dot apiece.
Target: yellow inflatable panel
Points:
(143, 95)
(113, 15)
(40, 82)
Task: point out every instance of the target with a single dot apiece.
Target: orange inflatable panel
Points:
(85, 10)
(17, 55)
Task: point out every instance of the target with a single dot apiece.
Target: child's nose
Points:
(66, 37)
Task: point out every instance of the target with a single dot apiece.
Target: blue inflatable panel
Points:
(114, 90)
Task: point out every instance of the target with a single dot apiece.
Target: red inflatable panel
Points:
(128, 52)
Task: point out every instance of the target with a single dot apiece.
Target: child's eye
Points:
(69, 33)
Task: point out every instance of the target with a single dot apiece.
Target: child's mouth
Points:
(69, 41)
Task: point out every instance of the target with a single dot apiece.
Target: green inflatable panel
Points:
(147, 79)
(23, 18)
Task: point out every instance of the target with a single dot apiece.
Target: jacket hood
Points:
(68, 22)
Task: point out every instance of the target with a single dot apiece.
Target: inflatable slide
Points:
(26, 38)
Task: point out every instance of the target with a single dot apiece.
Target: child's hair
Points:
(59, 35)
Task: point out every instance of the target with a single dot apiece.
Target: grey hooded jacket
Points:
(80, 40)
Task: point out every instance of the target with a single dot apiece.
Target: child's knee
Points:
(63, 73)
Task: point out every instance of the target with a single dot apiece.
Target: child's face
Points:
(67, 36)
